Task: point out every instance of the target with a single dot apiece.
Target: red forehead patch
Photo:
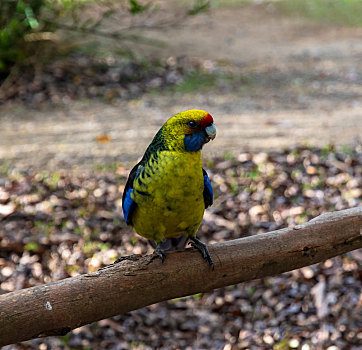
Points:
(206, 121)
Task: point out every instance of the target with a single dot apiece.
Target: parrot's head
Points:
(189, 130)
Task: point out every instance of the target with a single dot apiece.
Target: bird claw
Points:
(201, 246)
(159, 253)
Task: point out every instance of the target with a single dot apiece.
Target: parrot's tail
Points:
(174, 243)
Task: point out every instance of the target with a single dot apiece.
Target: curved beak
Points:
(211, 131)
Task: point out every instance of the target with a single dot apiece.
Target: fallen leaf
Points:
(104, 138)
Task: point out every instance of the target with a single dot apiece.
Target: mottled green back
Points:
(158, 144)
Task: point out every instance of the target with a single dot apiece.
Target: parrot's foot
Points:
(201, 246)
(160, 252)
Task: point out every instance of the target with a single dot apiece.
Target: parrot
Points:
(167, 192)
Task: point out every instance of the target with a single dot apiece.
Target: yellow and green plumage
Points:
(168, 190)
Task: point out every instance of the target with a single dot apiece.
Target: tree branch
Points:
(58, 307)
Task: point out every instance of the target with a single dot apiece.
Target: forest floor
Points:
(286, 97)
(54, 226)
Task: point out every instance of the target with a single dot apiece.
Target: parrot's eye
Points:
(192, 124)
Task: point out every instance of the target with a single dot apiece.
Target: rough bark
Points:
(58, 307)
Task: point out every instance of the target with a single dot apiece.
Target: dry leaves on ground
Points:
(62, 224)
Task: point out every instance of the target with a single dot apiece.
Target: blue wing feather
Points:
(208, 193)
(129, 205)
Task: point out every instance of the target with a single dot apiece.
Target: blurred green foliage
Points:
(343, 12)
(24, 25)
(199, 6)
(31, 246)
(136, 7)
(29, 28)
(17, 19)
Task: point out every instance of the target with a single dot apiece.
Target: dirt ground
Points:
(305, 88)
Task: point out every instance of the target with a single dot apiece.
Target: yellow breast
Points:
(169, 196)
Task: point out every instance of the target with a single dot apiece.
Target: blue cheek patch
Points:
(208, 192)
(194, 142)
(129, 206)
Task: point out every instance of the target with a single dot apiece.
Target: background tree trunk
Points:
(58, 307)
